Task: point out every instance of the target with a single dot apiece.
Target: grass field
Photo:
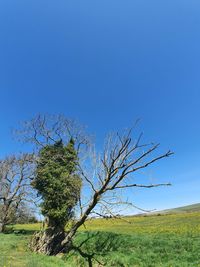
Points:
(167, 240)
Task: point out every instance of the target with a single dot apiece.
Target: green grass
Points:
(15, 252)
(152, 241)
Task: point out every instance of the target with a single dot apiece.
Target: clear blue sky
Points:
(108, 63)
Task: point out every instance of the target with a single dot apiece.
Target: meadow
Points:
(169, 240)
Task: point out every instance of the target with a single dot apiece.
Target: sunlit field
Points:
(183, 223)
(160, 240)
(174, 224)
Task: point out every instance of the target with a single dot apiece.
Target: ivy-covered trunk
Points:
(59, 185)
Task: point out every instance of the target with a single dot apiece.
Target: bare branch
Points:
(117, 162)
(139, 185)
(15, 174)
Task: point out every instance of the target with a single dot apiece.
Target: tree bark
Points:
(49, 241)
(2, 227)
(4, 220)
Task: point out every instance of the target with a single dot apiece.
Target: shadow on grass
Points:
(88, 247)
(94, 245)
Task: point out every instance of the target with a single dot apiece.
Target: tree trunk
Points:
(54, 240)
(49, 241)
(4, 218)
(2, 227)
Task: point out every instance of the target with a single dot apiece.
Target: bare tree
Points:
(111, 175)
(16, 173)
(105, 176)
(44, 130)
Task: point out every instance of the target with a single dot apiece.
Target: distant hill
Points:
(189, 208)
(184, 209)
